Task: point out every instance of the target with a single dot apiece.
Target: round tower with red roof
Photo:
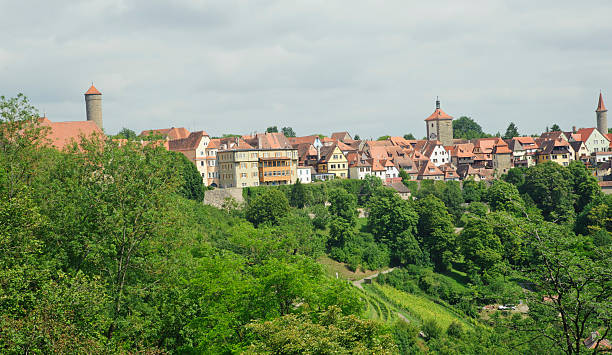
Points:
(602, 116)
(93, 105)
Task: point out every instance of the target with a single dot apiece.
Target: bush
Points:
(431, 329)
(455, 330)
(268, 207)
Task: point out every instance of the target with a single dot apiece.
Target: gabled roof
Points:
(233, 143)
(304, 139)
(585, 133)
(400, 141)
(268, 141)
(600, 105)
(341, 136)
(552, 135)
(327, 151)
(429, 169)
(214, 143)
(501, 149)
(189, 143)
(170, 133)
(93, 91)
(62, 133)
(399, 187)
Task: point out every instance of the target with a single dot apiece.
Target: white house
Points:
(360, 169)
(593, 140)
(304, 174)
(194, 148)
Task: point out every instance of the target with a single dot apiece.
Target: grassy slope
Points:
(419, 307)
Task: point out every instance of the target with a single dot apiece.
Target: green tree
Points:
(584, 185)
(511, 131)
(550, 186)
(383, 138)
(288, 132)
(126, 133)
(466, 128)
(473, 191)
(333, 333)
(516, 176)
(555, 128)
(343, 211)
(480, 247)
(369, 185)
(272, 129)
(192, 186)
(298, 195)
(436, 231)
(269, 207)
(392, 221)
(409, 137)
(452, 196)
(503, 196)
(356, 137)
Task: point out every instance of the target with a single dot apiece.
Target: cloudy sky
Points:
(369, 67)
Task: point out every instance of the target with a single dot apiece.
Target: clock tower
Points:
(440, 126)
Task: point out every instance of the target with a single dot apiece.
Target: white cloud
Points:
(369, 67)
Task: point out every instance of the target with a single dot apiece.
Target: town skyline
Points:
(230, 69)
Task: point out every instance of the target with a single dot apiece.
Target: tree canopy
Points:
(466, 128)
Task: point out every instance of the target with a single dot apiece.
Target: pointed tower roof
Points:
(600, 105)
(93, 91)
(438, 114)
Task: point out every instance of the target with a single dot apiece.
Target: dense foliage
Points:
(105, 247)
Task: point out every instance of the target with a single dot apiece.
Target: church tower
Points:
(602, 116)
(440, 126)
(93, 105)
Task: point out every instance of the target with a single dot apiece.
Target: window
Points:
(202, 163)
(243, 175)
(333, 166)
(203, 175)
(244, 184)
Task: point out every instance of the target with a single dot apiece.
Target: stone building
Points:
(93, 106)
(602, 116)
(440, 126)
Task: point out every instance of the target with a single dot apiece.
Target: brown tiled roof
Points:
(171, 133)
(600, 105)
(376, 165)
(345, 147)
(62, 133)
(551, 135)
(438, 114)
(93, 91)
(301, 140)
(339, 136)
(400, 141)
(429, 169)
(214, 143)
(326, 151)
(189, 143)
(268, 141)
(501, 149)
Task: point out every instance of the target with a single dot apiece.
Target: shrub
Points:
(431, 329)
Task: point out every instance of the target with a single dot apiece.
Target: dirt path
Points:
(358, 283)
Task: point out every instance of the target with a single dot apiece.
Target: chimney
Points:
(573, 129)
(318, 153)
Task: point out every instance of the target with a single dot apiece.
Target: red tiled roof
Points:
(501, 149)
(62, 133)
(339, 136)
(171, 133)
(438, 114)
(93, 91)
(600, 105)
(189, 143)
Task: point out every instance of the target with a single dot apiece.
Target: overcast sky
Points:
(369, 67)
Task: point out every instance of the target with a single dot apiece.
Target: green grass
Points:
(419, 306)
(332, 267)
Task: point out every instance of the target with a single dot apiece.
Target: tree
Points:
(383, 138)
(584, 185)
(126, 133)
(516, 176)
(393, 221)
(503, 196)
(480, 247)
(369, 185)
(511, 131)
(272, 129)
(452, 196)
(343, 211)
(436, 232)
(298, 195)
(550, 186)
(473, 191)
(356, 137)
(555, 128)
(409, 136)
(192, 186)
(288, 132)
(332, 333)
(269, 207)
(573, 288)
(466, 128)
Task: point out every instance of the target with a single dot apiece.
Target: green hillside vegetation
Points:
(106, 248)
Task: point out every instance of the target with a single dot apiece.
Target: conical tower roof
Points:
(600, 105)
(93, 91)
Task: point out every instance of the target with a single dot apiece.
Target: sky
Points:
(368, 67)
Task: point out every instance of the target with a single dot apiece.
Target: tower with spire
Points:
(439, 126)
(93, 105)
(602, 116)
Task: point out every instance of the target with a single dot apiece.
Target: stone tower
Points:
(93, 105)
(602, 116)
(440, 126)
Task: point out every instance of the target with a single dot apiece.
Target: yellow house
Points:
(333, 161)
(558, 151)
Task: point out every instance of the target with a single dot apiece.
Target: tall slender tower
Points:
(602, 116)
(93, 105)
